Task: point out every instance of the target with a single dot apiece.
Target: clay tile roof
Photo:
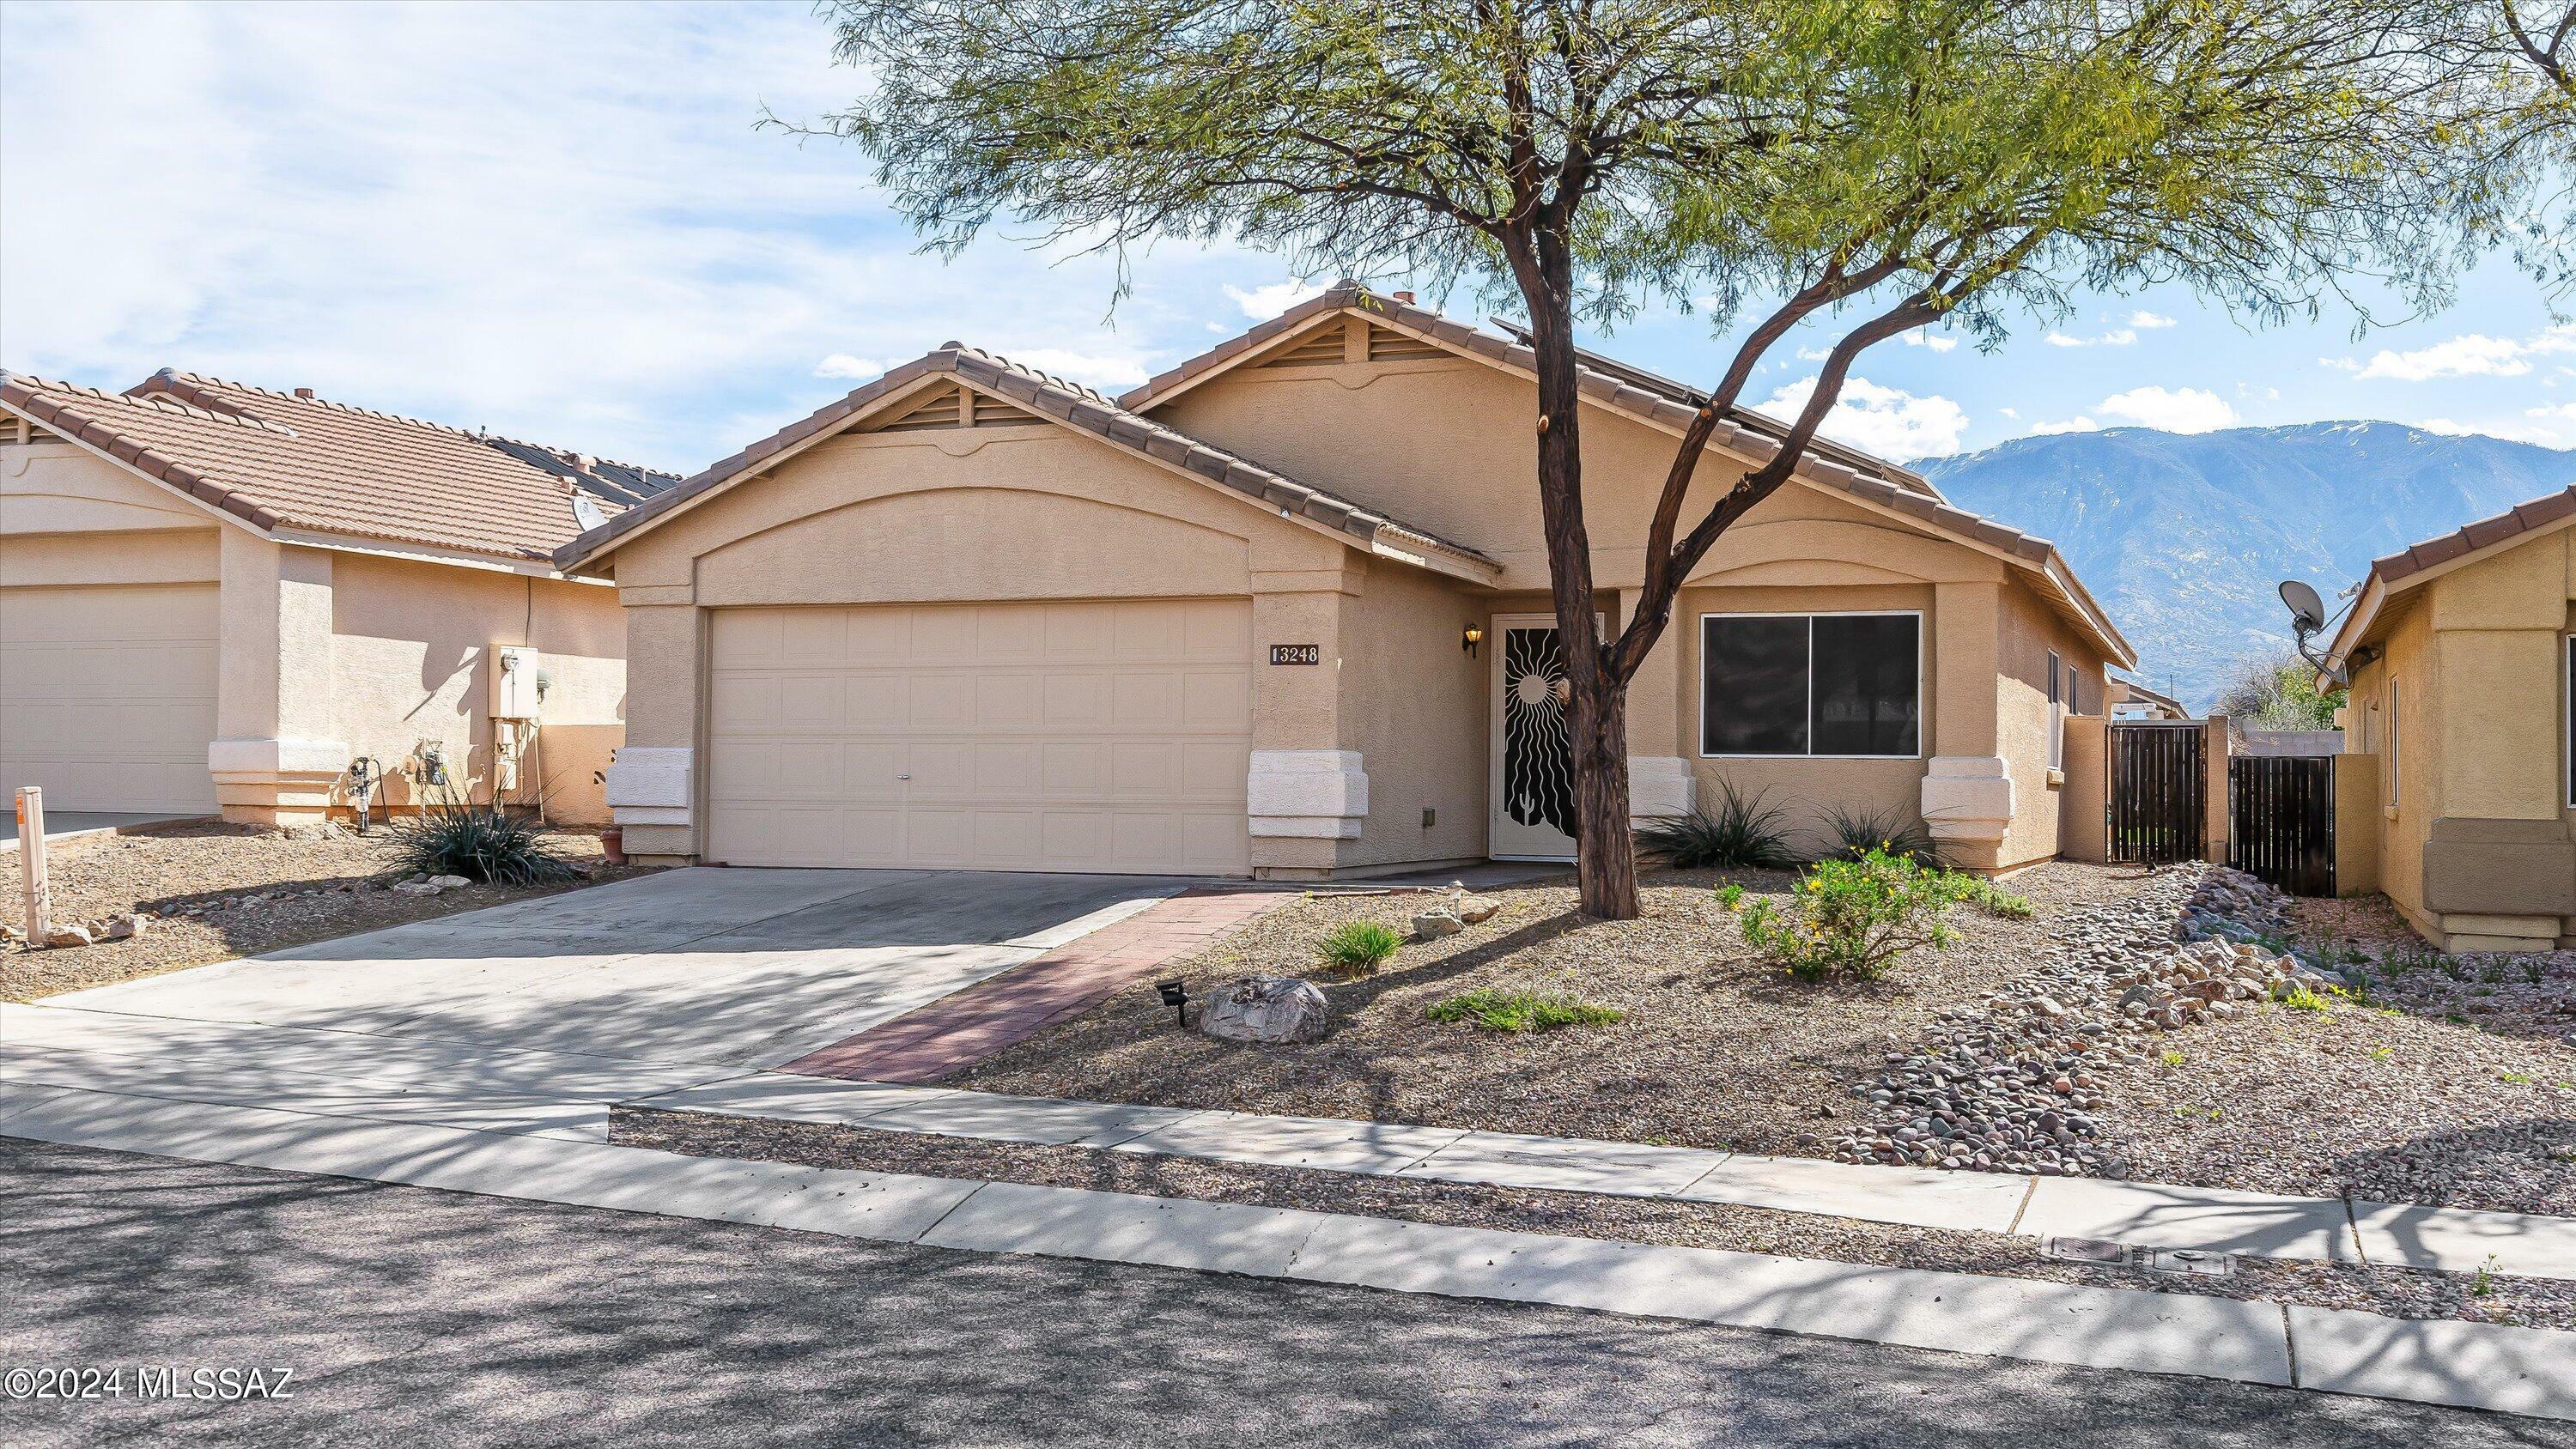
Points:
(285, 460)
(1075, 406)
(2485, 533)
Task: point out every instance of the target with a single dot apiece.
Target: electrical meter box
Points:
(515, 690)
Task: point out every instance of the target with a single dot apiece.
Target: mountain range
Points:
(2184, 538)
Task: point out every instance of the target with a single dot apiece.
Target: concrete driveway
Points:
(534, 1016)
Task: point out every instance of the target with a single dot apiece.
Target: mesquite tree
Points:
(1890, 163)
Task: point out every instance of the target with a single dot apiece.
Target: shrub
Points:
(454, 836)
(1855, 917)
(1857, 833)
(1519, 1011)
(1357, 948)
(1740, 834)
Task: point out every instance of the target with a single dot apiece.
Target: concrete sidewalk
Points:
(2475, 1365)
(2146, 1214)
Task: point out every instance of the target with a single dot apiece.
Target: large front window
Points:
(1811, 684)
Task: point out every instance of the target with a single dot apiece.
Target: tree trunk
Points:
(1597, 717)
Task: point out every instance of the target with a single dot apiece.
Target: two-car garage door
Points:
(1098, 736)
(107, 695)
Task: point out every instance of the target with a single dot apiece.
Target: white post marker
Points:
(31, 863)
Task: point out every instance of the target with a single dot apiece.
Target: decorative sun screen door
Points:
(1533, 773)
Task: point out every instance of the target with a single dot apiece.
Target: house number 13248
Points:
(1296, 654)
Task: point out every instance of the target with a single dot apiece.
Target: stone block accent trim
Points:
(651, 784)
(1313, 794)
(1660, 787)
(1968, 797)
(2500, 868)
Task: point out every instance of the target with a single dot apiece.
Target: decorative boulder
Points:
(62, 937)
(1264, 1009)
(124, 928)
(1475, 909)
(1438, 922)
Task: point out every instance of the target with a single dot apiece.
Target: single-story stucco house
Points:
(216, 597)
(1283, 612)
(2455, 794)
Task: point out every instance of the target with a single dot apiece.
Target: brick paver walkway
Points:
(958, 1031)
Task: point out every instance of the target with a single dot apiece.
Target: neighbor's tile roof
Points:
(2485, 533)
(1066, 402)
(282, 460)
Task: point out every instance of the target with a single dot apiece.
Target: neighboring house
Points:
(215, 596)
(2459, 714)
(2132, 700)
(1284, 611)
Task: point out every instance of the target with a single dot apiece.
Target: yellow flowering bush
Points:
(1854, 916)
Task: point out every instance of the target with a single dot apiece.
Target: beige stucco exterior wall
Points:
(411, 660)
(325, 653)
(1415, 706)
(2475, 848)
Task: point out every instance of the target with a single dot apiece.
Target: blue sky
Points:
(558, 222)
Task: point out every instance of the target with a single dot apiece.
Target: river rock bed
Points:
(2014, 1085)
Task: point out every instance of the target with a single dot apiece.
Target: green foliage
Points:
(1740, 834)
(1855, 917)
(1358, 948)
(2300, 998)
(2277, 691)
(454, 836)
(1521, 1011)
(1856, 833)
(1994, 900)
(1731, 896)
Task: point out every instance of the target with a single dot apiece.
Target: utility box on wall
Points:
(514, 683)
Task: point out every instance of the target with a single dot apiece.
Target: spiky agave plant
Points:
(454, 836)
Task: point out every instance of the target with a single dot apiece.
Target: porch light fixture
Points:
(1175, 995)
(1470, 637)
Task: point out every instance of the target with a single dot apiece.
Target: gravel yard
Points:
(217, 891)
(2079, 1041)
(2397, 1292)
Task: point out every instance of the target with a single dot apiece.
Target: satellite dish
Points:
(2307, 611)
(586, 513)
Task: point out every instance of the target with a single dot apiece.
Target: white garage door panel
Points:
(107, 695)
(1091, 737)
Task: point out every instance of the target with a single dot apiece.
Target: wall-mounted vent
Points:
(938, 410)
(993, 412)
(1388, 345)
(1321, 349)
(19, 430)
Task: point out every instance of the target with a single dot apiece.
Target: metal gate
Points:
(2159, 791)
(2280, 820)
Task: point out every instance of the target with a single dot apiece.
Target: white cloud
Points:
(2565, 410)
(1938, 342)
(1814, 354)
(1082, 367)
(2116, 337)
(421, 209)
(2178, 410)
(2148, 321)
(842, 364)
(2071, 425)
(1884, 421)
(2472, 354)
(1263, 303)
(2009, 412)
(2510, 432)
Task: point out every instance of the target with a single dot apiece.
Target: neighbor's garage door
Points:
(107, 695)
(1072, 737)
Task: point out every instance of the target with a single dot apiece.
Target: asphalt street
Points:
(444, 1318)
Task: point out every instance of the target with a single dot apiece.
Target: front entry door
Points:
(1533, 773)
